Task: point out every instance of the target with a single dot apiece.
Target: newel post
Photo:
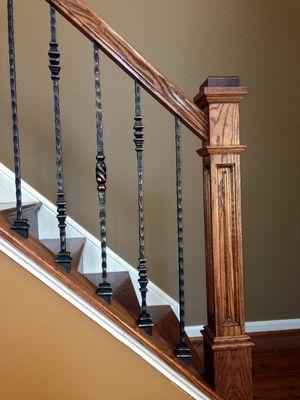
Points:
(227, 349)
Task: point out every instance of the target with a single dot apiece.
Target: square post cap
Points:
(220, 89)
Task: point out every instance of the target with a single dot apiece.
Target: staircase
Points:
(225, 371)
(125, 307)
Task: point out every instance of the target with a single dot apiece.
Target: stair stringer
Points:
(90, 258)
(102, 320)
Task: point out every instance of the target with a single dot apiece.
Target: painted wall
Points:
(188, 41)
(54, 352)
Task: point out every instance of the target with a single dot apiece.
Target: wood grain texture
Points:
(167, 326)
(221, 150)
(220, 95)
(121, 315)
(276, 364)
(227, 349)
(74, 245)
(132, 62)
(122, 287)
(233, 376)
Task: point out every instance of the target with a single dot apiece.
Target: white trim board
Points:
(89, 263)
(98, 317)
(254, 326)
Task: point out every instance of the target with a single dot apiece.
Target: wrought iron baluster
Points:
(145, 320)
(20, 224)
(182, 351)
(63, 257)
(104, 290)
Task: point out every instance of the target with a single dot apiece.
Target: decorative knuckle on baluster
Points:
(54, 61)
(101, 174)
(138, 134)
(138, 124)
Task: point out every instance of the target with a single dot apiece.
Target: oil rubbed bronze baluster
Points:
(145, 320)
(20, 224)
(182, 351)
(104, 290)
(63, 257)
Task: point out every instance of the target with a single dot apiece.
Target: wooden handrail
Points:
(133, 63)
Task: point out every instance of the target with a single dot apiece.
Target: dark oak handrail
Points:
(121, 52)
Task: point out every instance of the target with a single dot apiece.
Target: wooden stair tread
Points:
(74, 246)
(116, 312)
(167, 326)
(123, 290)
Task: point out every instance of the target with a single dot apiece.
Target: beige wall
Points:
(51, 351)
(188, 40)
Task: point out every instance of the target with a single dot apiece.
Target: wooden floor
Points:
(276, 365)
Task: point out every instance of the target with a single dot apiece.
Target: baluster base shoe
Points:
(183, 353)
(105, 291)
(21, 227)
(145, 322)
(64, 259)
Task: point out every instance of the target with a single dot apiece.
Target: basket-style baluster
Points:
(145, 320)
(63, 258)
(20, 224)
(182, 351)
(104, 290)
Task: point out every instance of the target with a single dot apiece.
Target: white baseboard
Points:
(254, 326)
(275, 325)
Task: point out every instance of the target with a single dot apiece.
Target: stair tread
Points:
(123, 289)
(74, 246)
(123, 317)
(167, 326)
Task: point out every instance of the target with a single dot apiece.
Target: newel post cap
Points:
(220, 89)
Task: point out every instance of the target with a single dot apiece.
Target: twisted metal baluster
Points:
(145, 320)
(63, 257)
(20, 224)
(104, 290)
(182, 351)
